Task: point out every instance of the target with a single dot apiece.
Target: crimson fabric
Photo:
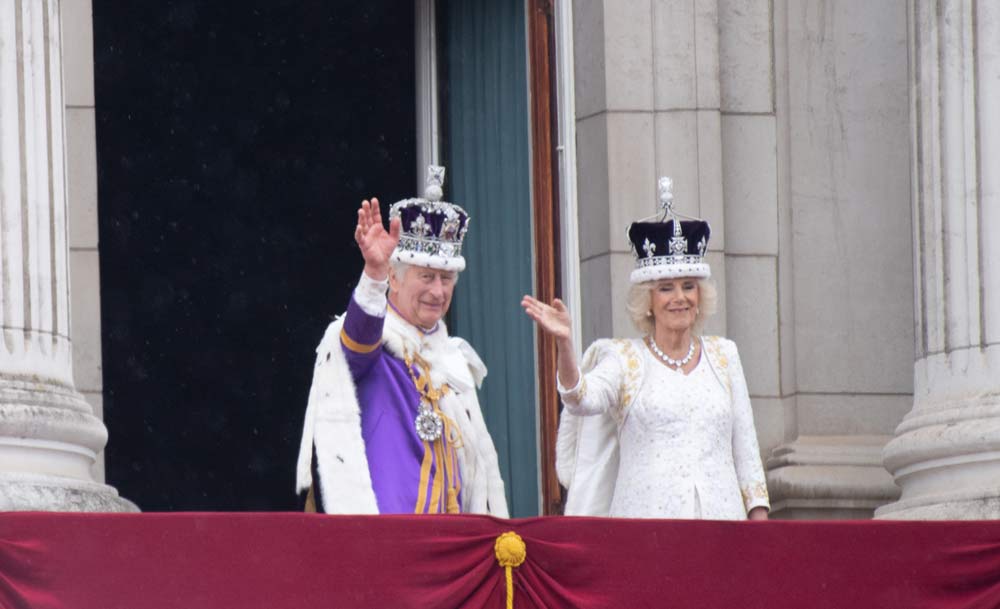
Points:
(243, 561)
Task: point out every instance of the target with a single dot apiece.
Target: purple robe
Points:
(404, 469)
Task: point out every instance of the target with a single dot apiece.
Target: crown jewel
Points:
(432, 229)
(668, 246)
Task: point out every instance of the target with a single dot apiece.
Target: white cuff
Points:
(370, 295)
(756, 496)
(573, 393)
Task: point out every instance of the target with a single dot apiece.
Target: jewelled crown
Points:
(432, 229)
(669, 247)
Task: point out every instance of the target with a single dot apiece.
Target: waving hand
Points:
(554, 319)
(375, 242)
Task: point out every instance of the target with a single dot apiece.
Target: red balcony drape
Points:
(277, 560)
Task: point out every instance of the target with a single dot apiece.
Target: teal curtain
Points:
(487, 154)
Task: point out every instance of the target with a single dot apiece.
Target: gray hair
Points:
(640, 300)
(399, 268)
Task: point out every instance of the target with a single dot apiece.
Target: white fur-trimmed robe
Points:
(333, 421)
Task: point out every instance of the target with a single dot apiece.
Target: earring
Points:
(649, 312)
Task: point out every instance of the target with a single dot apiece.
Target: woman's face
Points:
(675, 303)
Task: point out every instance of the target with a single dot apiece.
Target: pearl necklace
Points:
(676, 363)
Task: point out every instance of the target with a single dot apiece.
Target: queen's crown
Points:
(669, 247)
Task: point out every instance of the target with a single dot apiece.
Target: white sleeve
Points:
(746, 451)
(370, 295)
(598, 389)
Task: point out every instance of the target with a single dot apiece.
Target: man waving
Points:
(393, 423)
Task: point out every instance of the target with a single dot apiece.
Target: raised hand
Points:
(552, 319)
(375, 242)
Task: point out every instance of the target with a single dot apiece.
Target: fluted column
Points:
(946, 452)
(49, 436)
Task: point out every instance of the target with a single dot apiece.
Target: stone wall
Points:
(785, 125)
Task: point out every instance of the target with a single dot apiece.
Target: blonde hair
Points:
(640, 300)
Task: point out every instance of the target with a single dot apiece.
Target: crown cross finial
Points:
(435, 183)
(666, 188)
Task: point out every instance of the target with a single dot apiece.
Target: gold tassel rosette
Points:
(511, 552)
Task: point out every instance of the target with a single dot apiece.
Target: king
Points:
(393, 424)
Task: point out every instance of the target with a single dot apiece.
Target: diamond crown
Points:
(431, 227)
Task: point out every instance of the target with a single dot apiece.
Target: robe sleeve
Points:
(598, 390)
(746, 451)
(361, 336)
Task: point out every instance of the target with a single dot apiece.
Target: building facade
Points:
(840, 150)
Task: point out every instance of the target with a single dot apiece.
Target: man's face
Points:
(422, 295)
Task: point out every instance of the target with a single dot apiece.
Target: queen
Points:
(676, 401)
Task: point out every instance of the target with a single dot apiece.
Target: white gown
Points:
(687, 444)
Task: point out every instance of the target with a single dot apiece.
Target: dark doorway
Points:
(235, 141)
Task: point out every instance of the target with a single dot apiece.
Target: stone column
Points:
(843, 253)
(49, 436)
(759, 306)
(647, 105)
(946, 452)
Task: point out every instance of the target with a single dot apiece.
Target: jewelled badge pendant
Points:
(429, 424)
